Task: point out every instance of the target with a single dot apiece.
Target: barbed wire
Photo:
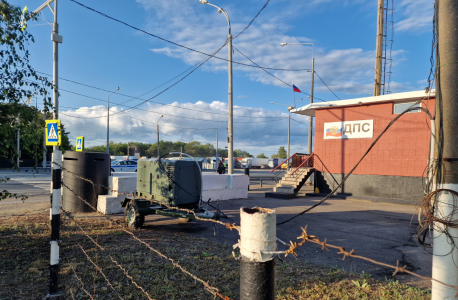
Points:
(131, 279)
(305, 237)
(79, 279)
(228, 225)
(101, 272)
(82, 230)
(208, 287)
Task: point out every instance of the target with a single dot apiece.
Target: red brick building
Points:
(395, 167)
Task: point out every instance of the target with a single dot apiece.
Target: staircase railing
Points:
(308, 161)
(279, 165)
(280, 171)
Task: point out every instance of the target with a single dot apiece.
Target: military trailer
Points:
(164, 187)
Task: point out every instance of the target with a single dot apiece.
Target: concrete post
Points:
(444, 249)
(379, 49)
(230, 152)
(310, 140)
(258, 239)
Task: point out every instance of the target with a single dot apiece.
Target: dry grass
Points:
(24, 263)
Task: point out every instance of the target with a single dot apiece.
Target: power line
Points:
(249, 24)
(164, 104)
(326, 85)
(273, 74)
(179, 45)
(160, 113)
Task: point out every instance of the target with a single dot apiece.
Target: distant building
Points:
(395, 167)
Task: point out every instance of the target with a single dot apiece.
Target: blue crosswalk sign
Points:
(53, 137)
(80, 143)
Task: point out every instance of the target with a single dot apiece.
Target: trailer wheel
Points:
(133, 217)
(184, 220)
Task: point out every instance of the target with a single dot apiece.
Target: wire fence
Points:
(213, 290)
(292, 249)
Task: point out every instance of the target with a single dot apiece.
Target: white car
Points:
(124, 166)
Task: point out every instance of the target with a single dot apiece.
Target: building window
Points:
(398, 108)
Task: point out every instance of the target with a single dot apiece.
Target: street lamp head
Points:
(308, 96)
(283, 44)
(117, 88)
(203, 1)
(291, 108)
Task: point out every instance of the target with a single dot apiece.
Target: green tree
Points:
(261, 156)
(18, 81)
(241, 153)
(282, 152)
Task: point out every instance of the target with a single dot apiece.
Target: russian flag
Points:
(295, 89)
(334, 133)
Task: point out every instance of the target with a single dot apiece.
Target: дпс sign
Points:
(349, 129)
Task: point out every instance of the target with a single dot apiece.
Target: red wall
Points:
(402, 151)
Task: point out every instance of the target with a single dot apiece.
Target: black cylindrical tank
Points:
(94, 166)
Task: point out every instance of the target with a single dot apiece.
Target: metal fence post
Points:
(258, 241)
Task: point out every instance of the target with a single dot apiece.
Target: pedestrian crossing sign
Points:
(80, 143)
(53, 133)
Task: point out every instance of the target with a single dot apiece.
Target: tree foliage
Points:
(281, 153)
(193, 148)
(261, 156)
(18, 82)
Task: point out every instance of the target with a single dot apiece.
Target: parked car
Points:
(124, 166)
(48, 164)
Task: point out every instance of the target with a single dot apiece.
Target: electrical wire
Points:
(164, 104)
(273, 74)
(176, 44)
(251, 22)
(326, 85)
(411, 108)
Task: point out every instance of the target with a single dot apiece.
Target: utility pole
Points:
(216, 160)
(18, 141)
(230, 154)
(157, 129)
(311, 101)
(444, 248)
(289, 129)
(56, 173)
(44, 139)
(379, 49)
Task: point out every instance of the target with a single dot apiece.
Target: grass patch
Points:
(24, 266)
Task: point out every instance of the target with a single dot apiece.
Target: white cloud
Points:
(348, 71)
(417, 15)
(201, 27)
(251, 131)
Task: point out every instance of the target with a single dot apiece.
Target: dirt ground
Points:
(102, 259)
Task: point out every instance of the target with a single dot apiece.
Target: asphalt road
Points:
(381, 231)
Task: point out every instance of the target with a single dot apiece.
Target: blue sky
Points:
(99, 52)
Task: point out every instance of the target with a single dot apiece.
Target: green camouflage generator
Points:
(162, 184)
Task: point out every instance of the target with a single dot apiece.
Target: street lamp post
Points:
(289, 125)
(157, 128)
(108, 121)
(230, 103)
(311, 90)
